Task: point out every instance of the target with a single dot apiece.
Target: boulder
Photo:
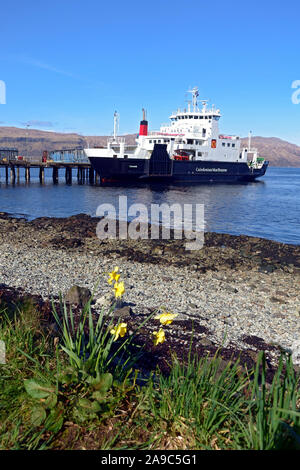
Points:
(77, 295)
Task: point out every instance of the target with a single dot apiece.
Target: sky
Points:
(67, 65)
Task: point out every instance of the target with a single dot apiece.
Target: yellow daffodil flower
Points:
(120, 330)
(166, 318)
(119, 289)
(159, 337)
(113, 276)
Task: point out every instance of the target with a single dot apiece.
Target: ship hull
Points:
(163, 169)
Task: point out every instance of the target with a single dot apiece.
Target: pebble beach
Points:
(239, 291)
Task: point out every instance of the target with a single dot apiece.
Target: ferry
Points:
(189, 149)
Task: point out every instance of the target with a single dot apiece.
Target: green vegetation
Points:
(78, 389)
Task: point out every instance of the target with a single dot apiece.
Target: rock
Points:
(157, 251)
(296, 352)
(254, 240)
(106, 301)
(123, 312)
(231, 290)
(205, 342)
(266, 268)
(77, 295)
(277, 299)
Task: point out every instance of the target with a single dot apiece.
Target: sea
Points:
(267, 208)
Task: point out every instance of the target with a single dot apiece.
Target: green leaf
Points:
(68, 376)
(100, 397)
(80, 415)
(38, 416)
(102, 383)
(50, 401)
(38, 390)
(88, 405)
(55, 419)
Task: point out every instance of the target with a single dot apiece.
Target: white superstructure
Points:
(191, 134)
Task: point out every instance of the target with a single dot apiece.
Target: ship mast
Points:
(195, 94)
(116, 125)
(249, 139)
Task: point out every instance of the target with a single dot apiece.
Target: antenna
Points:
(249, 139)
(195, 93)
(116, 124)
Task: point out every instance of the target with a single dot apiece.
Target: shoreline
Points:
(240, 293)
(28, 218)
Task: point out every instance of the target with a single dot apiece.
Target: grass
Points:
(79, 391)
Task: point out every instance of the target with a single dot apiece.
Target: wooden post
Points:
(12, 174)
(68, 175)
(42, 175)
(55, 175)
(18, 173)
(96, 178)
(91, 175)
(27, 173)
(6, 173)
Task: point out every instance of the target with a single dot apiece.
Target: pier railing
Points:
(68, 159)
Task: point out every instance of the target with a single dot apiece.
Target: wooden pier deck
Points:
(85, 173)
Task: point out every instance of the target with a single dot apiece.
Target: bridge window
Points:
(233, 145)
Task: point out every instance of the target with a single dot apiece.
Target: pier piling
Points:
(85, 173)
(12, 174)
(55, 175)
(27, 174)
(42, 174)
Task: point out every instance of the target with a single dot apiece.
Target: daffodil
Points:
(120, 330)
(166, 318)
(113, 276)
(119, 289)
(159, 337)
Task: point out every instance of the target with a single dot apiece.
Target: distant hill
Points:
(32, 142)
(278, 152)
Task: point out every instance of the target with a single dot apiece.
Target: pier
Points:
(70, 160)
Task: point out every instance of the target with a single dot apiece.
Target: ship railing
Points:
(116, 141)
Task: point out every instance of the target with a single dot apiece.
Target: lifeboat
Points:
(181, 155)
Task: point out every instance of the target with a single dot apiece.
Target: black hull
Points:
(160, 168)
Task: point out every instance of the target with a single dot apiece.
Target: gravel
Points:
(229, 303)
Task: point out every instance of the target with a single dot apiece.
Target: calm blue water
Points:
(269, 208)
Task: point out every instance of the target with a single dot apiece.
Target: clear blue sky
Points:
(69, 64)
